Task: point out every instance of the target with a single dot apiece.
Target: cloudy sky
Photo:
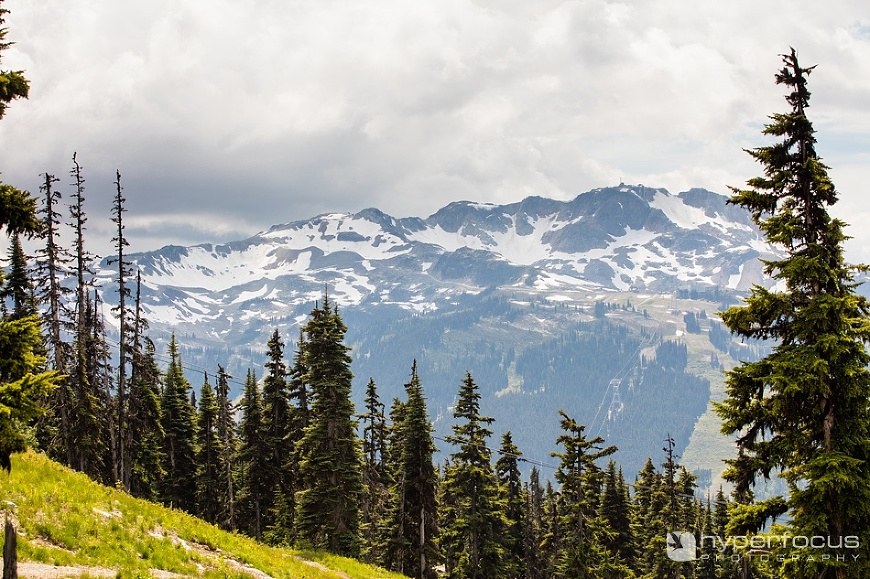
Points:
(225, 117)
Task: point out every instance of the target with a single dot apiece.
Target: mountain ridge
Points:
(486, 288)
(618, 238)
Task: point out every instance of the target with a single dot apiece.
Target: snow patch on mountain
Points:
(620, 238)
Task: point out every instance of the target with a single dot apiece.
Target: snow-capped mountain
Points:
(618, 238)
(515, 294)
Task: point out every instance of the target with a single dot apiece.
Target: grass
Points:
(64, 518)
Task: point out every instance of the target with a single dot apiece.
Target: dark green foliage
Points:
(209, 499)
(284, 527)
(90, 383)
(375, 477)
(615, 511)
(254, 453)
(17, 209)
(664, 503)
(18, 288)
(644, 511)
(474, 518)
(583, 551)
(23, 383)
(802, 409)
(13, 84)
(412, 516)
(276, 435)
(146, 448)
(226, 427)
(511, 487)
(534, 561)
(330, 466)
(179, 427)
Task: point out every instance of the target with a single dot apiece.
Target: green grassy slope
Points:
(65, 519)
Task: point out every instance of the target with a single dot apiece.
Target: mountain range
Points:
(504, 291)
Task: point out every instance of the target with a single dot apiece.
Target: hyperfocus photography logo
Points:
(682, 546)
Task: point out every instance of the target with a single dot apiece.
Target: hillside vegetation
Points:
(65, 519)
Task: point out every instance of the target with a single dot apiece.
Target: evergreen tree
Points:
(88, 407)
(296, 391)
(254, 453)
(276, 424)
(146, 448)
(374, 474)
(615, 512)
(99, 368)
(390, 540)
(328, 507)
(18, 287)
(474, 516)
(23, 383)
(511, 488)
(412, 517)
(583, 552)
(179, 428)
(52, 261)
(552, 540)
(208, 451)
(644, 510)
(125, 339)
(802, 410)
(534, 562)
(90, 401)
(82, 259)
(226, 427)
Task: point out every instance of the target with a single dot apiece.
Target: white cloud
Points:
(249, 113)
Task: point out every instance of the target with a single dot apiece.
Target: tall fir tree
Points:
(179, 432)
(88, 400)
(276, 424)
(375, 476)
(615, 512)
(146, 448)
(671, 500)
(552, 535)
(254, 453)
(534, 563)
(18, 288)
(802, 410)
(474, 515)
(226, 432)
(100, 376)
(208, 452)
(125, 334)
(583, 552)
(412, 514)
(511, 487)
(52, 266)
(644, 509)
(300, 418)
(327, 514)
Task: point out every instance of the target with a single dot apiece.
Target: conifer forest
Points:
(292, 461)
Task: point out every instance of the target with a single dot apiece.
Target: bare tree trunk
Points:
(10, 553)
